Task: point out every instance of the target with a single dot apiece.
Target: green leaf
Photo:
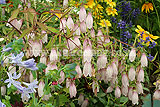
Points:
(70, 66)
(41, 66)
(101, 94)
(123, 99)
(102, 100)
(34, 74)
(63, 99)
(42, 26)
(25, 32)
(14, 14)
(155, 56)
(72, 104)
(52, 29)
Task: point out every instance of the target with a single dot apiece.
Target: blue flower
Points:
(30, 64)
(2, 2)
(113, 19)
(2, 104)
(11, 79)
(121, 25)
(135, 12)
(16, 59)
(6, 49)
(32, 85)
(150, 57)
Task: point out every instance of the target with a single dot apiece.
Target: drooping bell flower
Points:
(107, 40)
(50, 67)
(68, 82)
(3, 90)
(87, 54)
(65, 3)
(62, 75)
(140, 76)
(95, 87)
(87, 69)
(132, 55)
(80, 99)
(92, 33)
(43, 59)
(53, 55)
(83, 27)
(85, 103)
(87, 42)
(100, 38)
(70, 23)
(36, 47)
(109, 89)
(117, 92)
(101, 61)
(109, 72)
(130, 92)
(31, 35)
(124, 90)
(139, 88)
(44, 36)
(125, 81)
(77, 41)
(135, 98)
(82, 14)
(17, 24)
(156, 95)
(63, 23)
(78, 32)
(31, 77)
(144, 61)
(72, 90)
(40, 88)
(131, 74)
(79, 71)
(89, 21)
(115, 69)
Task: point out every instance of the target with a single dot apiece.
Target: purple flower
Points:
(30, 64)
(6, 49)
(121, 25)
(151, 45)
(2, 2)
(150, 57)
(2, 104)
(113, 19)
(135, 12)
(11, 79)
(32, 85)
(16, 59)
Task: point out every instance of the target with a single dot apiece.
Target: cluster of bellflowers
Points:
(16, 60)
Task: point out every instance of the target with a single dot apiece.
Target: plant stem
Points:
(156, 14)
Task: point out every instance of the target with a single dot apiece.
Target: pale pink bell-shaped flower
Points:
(107, 40)
(63, 23)
(101, 61)
(80, 99)
(77, 41)
(36, 47)
(68, 82)
(132, 74)
(79, 71)
(87, 54)
(125, 81)
(132, 55)
(62, 75)
(31, 35)
(115, 69)
(124, 90)
(17, 24)
(53, 55)
(50, 67)
(71, 44)
(89, 21)
(109, 89)
(78, 31)
(144, 61)
(95, 87)
(65, 3)
(40, 88)
(46, 97)
(100, 38)
(117, 92)
(156, 95)
(43, 59)
(83, 27)
(135, 98)
(139, 88)
(70, 23)
(72, 90)
(140, 76)
(87, 42)
(85, 103)
(3, 90)
(109, 72)
(44, 36)
(31, 77)
(87, 69)
(82, 14)
(130, 93)
(92, 33)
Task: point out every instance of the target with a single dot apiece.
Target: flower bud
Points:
(139, 88)
(36, 47)
(71, 45)
(53, 55)
(144, 61)
(85, 103)
(65, 3)
(101, 61)
(43, 59)
(40, 88)
(109, 89)
(83, 27)
(68, 82)
(117, 92)
(79, 72)
(125, 81)
(115, 69)
(50, 67)
(62, 75)
(132, 55)
(3, 90)
(124, 90)
(87, 55)
(95, 87)
(44, 36)
(92, 33)
(131, 74)
(109, 72)
(82, 14)
(135, 98)
(130, 93)
(77, 41)
(70, 23)
(89, 21)
(156, 95)
(63, 23)
(140, 77)
(72, 90)
(87, 69)
(80, 99)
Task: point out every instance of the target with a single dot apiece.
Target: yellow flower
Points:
(97, 15)
(145, 34)
(147, 6)
(99, 8)
(110, 3)
(111, 11)
(104, 22)
(90, 4)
